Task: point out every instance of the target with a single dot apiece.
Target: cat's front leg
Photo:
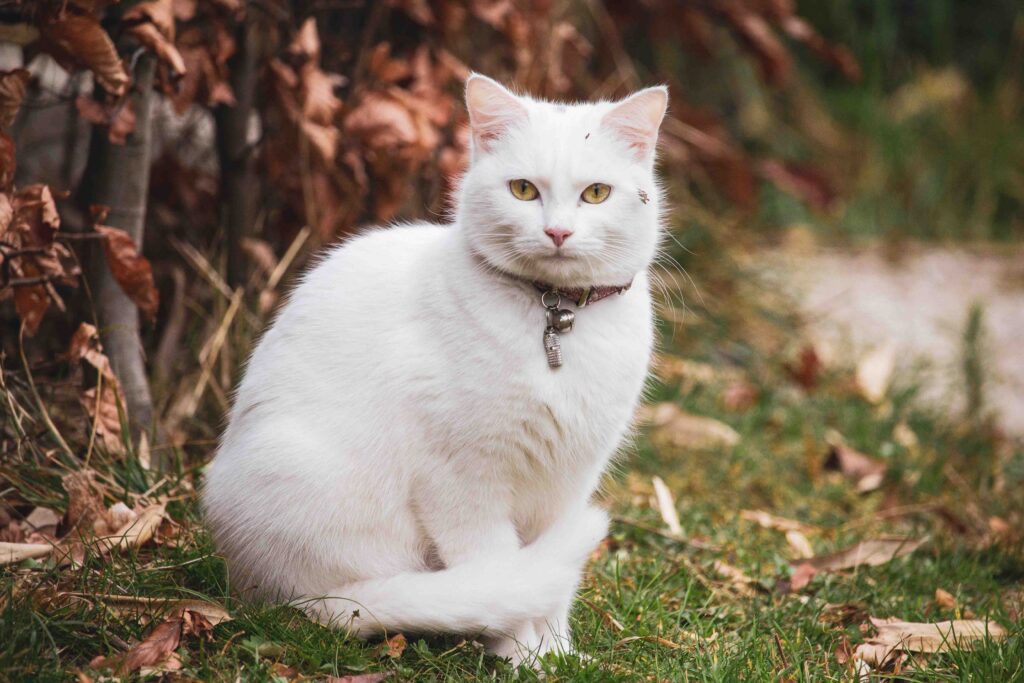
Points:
(589, 525)
(469, 520)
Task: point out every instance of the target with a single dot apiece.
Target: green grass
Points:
(645, 585)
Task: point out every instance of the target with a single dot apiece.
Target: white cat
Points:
(401, 455)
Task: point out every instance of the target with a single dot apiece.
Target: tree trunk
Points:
(117, 176)
(237, 175)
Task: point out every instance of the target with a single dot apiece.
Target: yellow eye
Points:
(523, 189)
(596, 193)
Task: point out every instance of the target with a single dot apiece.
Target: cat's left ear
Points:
(637, 118)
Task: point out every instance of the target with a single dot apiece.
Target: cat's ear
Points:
(637, 118)
(492, 110)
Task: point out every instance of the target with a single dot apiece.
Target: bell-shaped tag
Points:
(561, 319)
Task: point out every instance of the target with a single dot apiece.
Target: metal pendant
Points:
(553, 348)
(558, 320)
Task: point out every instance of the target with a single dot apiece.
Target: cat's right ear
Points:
(492, 110)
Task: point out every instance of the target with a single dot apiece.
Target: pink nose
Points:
(558, 235)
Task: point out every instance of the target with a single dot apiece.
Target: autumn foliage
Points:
(356, 117)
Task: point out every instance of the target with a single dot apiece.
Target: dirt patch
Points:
(920, 300)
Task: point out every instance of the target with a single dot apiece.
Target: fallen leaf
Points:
(136, 532)
(41, 517)
(85, 501)
(282, 670)
(798, 542)
(12, 91)
(740, 396)
(734, 575)
(130, 605)
(359, 678)
(667, 506)
(865, 472)
(156, 652)
(807, 368)
(770, 521)
(16, 552)
(106, 410)
(870, 553)
(395, 646)
(131, 270)
(896, 636)
(651, 639)
(677, 428)
(874, 372)
(945, 599)
(158, 644)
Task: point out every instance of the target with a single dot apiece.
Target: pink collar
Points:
(583, 296)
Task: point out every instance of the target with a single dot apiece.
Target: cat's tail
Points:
(494, 594)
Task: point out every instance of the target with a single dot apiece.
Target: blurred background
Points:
(840, 299)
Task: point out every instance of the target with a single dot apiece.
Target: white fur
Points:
(400, 456)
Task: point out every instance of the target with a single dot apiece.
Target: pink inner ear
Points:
(492, 109)
(637, 118)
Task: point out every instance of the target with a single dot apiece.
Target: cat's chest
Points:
(512, 402)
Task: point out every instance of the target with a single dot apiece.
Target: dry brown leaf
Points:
(7, 166)
(156, 652)
(677, 428)
(945, 599)
(807, 368)
(132, 271)
(865, 472)
(136, 532)
(896, 636)
(156, 647)
(164, 49)
(870, 553)
(651, 639)
(159, 13)
(799, 543)
(732, 574)
(30, 223)
(395, 646)
(85, 501)
(105, 411)
(16, 552)
(874, 372)
(740, 396)
(359, 678)
(41, 517)
(12, 91)
(667, 506)
(79, 40)
(138, 607)
(770, 521)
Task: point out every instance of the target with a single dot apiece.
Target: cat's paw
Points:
(523, 646)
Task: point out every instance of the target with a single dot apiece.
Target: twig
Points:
(293, 250)
(211, 350)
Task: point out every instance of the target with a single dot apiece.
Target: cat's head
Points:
(562, 193)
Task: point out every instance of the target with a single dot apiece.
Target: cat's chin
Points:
(565, 270)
